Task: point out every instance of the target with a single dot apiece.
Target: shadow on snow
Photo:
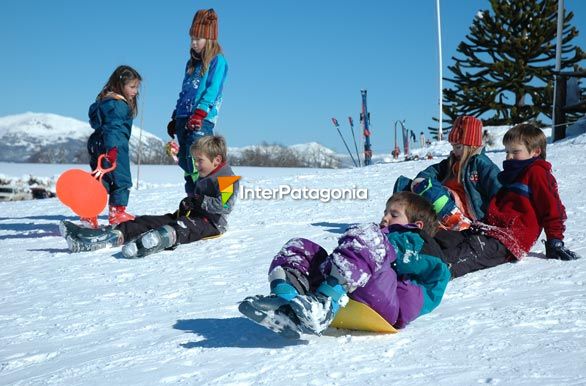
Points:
(334, 227)
(232, 332)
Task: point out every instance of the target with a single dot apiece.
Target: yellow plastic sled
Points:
(359, 316)
(213, 237)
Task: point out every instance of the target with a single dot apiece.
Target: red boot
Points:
(118, 215)
(89, 222)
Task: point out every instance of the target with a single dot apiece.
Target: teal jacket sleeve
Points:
(428, 272)
(487, 173)
(214, 84)
(435, 171)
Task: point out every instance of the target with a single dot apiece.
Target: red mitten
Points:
(196, 120)
(112, 154)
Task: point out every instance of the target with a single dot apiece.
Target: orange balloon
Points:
(81, 192)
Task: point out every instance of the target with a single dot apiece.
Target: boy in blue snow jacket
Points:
(395, 268)
(196, 111)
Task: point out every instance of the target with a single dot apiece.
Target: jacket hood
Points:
(94, 115)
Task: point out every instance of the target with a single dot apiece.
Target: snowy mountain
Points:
(95, 318)
(51, 138)
(312, 155)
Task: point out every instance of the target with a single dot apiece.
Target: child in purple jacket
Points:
(396, 268)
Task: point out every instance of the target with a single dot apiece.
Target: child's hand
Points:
(112, 154)
(190, 204)
(555, 249)
(172, 149)
(196, 120)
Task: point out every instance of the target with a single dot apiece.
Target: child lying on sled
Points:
(395, 268)
(200, 215)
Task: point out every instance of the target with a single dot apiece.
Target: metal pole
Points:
(354, 137)
(558, 65)
(140, 141)
(441, 96)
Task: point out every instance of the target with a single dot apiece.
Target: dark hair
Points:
(211, 146)
(417, 208)
(529, 135)
(121, 76)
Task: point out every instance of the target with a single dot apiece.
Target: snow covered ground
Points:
(171, 318)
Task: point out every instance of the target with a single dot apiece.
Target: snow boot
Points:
(150, 242)
(448, 212)
(80, 239)
(118, 215)
(316, 311)
(89, 222)
(274, 311)
(455, 221)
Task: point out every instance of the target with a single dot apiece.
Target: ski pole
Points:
(355, 145)
(337, 125)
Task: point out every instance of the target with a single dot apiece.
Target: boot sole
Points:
(273, 320)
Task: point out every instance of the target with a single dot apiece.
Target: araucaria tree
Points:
(505, 73)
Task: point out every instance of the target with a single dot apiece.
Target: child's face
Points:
(518, 151)
(130, 89)
(394, 214)
(198, 44)
(457, 150)
(205, 165)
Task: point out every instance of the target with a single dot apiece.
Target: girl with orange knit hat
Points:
(196, 111)
(461, 186)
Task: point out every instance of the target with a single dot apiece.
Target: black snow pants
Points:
(188, 229)
(470, 251)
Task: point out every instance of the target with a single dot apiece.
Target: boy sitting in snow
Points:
(527, 203)
(200, 215)
(395, 268)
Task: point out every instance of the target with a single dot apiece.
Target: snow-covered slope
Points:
(51, 138)
(171, 318)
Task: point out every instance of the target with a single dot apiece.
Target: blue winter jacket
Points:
(420, 263)
(203, 92)
(479, 178)
(111, 118)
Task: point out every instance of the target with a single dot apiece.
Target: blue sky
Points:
(293, 64)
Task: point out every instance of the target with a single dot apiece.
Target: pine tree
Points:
(507, 62)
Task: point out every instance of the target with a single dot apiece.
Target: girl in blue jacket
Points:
(461, 186)
(196, 111)
(111, 117)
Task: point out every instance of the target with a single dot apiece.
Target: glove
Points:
(172, 149)
(112, 154)
(420, 185)
(554, 249)
(196, 120)
(189, 205)
(171, 128)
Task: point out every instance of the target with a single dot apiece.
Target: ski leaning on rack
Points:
(365, 120)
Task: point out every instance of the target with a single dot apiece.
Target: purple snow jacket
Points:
(386, 269)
